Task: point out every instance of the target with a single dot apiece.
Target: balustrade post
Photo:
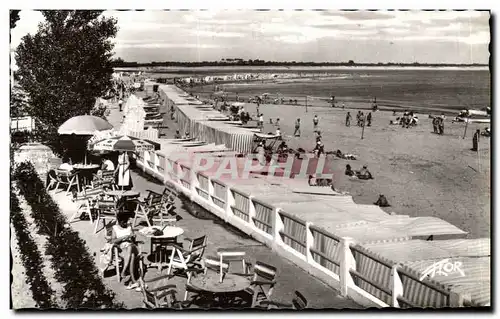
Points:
(396, 285)
(457, 300)
(229, 203)
(277, 225)
(211, 190)
(145, 158)
(251, 211)
(309, 242)
(347, 263)
(156, 162)
(193, 181)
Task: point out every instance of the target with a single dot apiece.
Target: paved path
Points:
(195, 222)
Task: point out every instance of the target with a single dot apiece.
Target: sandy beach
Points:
(421, 173)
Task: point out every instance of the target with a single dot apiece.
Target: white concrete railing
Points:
(368, 279)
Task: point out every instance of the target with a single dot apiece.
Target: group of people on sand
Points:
(360, 119)
(363, 173)
(438, 124)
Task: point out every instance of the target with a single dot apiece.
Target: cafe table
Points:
(224, 291)
(159, 251)
(85, 171)
(121, 193)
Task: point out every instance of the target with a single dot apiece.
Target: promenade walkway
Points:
(195, 222)
(389, 235)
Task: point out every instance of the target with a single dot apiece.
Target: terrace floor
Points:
(195, 222)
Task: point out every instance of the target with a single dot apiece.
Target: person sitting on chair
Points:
(382, 201)
(66, 165)
(107, 164)
(177, 134)
(122, 236)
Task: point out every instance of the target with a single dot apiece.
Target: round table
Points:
(231, 283)
(224, 292)
(86, 171)
(159, 254)
(168, 232)
(120, 193)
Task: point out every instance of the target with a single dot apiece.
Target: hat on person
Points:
(364, 166)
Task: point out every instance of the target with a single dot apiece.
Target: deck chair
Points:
(107, 210)
(164, 296)
(67, 178)
(299, 302)
(214, 265)
(231, 255)
(155, 208)
(107, 179)
(182, 259)
(263, 282)
(86, 200)
(147, 208)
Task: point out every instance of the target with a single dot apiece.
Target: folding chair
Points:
(147, 208)
(160, 297)
(107, 179)
(263, 282)
(181, 258)
(67, 178)
(299, 302)
(106, 210)
(234, 255)
(154, 208)
(87, 200)
(212, 264)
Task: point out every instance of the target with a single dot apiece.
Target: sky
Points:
(319, 36)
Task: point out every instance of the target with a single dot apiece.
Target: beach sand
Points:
(420, 173)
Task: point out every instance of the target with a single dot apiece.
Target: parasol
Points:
(238, 104)
(84, 125)
(123, 143)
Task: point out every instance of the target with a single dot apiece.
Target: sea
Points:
(444, 88)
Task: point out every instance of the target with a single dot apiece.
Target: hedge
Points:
(73, 265)
(30, 256)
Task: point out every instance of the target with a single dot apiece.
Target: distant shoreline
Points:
(160, 69)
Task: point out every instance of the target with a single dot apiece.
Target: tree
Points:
(66, 65)
(14, 17)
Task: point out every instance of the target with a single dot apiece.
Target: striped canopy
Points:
(123, 143)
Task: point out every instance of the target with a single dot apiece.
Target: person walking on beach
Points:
(277, 122)
(441, 123)
(369, 119)
(261, 122)
(348, 119)
(297, 128)
(120, 103)
(475, 140)
(435, 124)
(343, 105)
(315, 122)
(318, 136)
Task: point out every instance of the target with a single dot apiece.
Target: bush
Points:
(73, 265)
(30, 256)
